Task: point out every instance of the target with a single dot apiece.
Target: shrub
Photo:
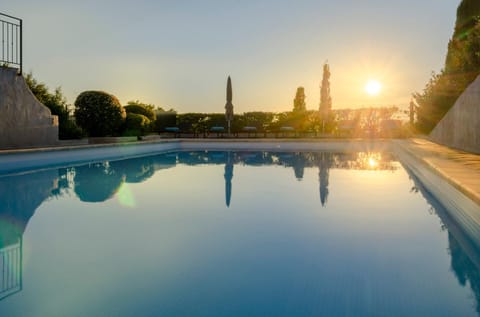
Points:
(191, 122)
(136, 124)
(141, 108)
(99, 113)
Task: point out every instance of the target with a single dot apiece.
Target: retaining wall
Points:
(24, 121)
(460, 127)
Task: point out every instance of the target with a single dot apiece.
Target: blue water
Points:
(232, 234)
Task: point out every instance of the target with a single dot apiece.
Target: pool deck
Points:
(460, 169)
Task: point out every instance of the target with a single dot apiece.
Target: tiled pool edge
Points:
(22, 160)
(13, 161)
(463, 207)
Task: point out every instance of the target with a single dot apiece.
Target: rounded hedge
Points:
(99, 113)
(140, 109)
(137, 123)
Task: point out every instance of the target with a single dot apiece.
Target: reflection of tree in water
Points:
(200, 157)
(299, 161)
(20, 196)
(296, 160)
(97, 182)
(324, 161)
(465, 270)
(136, 170)
(464, 253)
(100, 181)
(254, 158)
(228, 178)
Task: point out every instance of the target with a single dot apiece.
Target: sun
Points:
(373, 87)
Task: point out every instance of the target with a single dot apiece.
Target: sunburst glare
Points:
(373, 87)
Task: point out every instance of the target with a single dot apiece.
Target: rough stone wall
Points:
(24, 121)
(460, 127)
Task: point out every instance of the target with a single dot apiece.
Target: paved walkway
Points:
(461, 169)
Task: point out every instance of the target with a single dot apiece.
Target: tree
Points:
(136, 124)
(140, 118)
(191, 122)
(99, 113)
(141, 108)
(259, 120)
(325, 98)
(299, 101)
(57, 103)
(462, 66)
(467, 11)
(325, 109)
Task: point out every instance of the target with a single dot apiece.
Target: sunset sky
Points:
(179, 53)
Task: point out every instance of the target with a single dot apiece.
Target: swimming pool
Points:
(246, 233)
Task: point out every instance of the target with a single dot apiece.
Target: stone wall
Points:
(24, 121)
(460, 127)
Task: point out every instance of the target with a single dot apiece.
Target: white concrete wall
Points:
(24, 121)
(460, 128)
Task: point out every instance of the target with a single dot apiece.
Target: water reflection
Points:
(21, 195)
(228, 179)
(324, 162)
(465, 254)
(98, 182)
(298, 161)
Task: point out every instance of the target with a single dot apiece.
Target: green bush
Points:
(99, 113)
(70, 130)
(136, 124)
(140, 108)
(191, 122)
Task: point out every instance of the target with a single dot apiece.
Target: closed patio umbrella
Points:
(229, 105)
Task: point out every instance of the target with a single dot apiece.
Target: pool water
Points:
(232, 234)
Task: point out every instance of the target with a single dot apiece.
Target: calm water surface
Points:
(232, 234)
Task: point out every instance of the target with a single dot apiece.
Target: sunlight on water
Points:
(125, 196)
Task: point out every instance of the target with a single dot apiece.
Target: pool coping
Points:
(15, 161)
(449, 182)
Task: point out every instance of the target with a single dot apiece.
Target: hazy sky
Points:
(179, 53)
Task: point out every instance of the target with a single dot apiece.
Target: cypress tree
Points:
(467, 12)
(299, 101)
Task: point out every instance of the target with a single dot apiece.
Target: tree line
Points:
(98, 114)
